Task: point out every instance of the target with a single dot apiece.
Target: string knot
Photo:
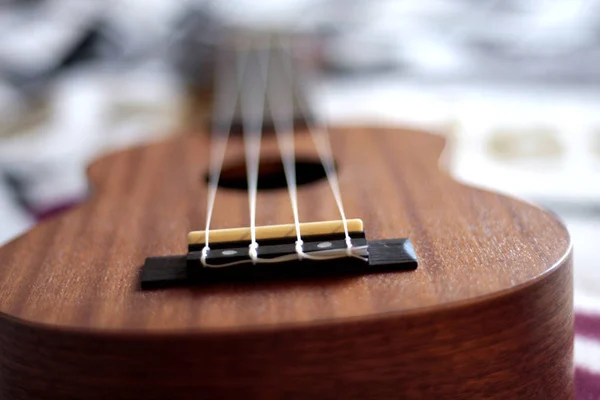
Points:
(205, 250)
(253, 252)
(348, 246)
(299, 249)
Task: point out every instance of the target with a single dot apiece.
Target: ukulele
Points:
(319, 262)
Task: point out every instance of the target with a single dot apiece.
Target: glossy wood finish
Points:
(488, 314)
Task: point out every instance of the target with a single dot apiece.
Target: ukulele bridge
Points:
(324, 253)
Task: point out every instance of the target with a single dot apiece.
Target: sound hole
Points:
(271, 175)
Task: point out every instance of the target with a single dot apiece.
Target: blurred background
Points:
(514, 84)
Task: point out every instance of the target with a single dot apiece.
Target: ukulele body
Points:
(487, 314)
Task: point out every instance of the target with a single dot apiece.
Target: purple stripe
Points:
(587, 385)
(55, 209)
(587, 325)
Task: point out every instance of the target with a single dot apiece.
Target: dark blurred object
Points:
(85, 48)
(16, 3)
(193, 45)
(41, 38)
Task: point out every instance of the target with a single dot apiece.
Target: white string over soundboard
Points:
(281, 97)
(226, 98)
(252, 110)
(254, 91)
(320, 135)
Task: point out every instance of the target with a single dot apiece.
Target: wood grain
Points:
(488, 314)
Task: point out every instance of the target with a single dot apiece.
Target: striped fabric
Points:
(587, 348)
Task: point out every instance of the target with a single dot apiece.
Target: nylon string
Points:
(225, 101)
(252, 110)
(253, 93)
(281, 97)
(320, 136)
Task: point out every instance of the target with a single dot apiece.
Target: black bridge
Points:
(383, 256)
